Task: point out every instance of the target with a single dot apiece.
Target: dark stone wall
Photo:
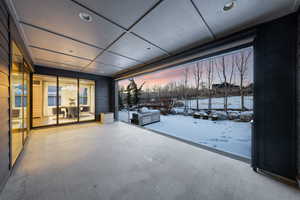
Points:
(275, 97)
(103, 90)
(4, 94)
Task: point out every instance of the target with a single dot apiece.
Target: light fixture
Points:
(85, 17)
(228, 6)
(149, 48)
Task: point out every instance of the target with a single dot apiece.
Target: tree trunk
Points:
(209, 100)
(242, 93)
(226, 100)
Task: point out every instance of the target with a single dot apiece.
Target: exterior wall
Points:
(298, 95)
(103, 90)
(275, 97)
(4, 95)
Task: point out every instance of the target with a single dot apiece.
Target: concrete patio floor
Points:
(120, 161)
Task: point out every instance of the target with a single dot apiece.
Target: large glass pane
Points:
(26, 102)
(211, 98)
(44, 100)
(86, 100)
(68, 104)
(16, 103)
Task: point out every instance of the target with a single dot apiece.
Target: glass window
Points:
(52, 96)
(212, 98)
(44, 110)
(17, 111)
(68, 108)
(86, 100)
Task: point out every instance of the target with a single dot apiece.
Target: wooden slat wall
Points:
(4, 95)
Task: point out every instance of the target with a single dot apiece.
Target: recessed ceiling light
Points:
(85, 17)
(149, 48)
(228, 6)
(71, 51)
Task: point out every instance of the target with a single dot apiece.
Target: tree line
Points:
(222, 76)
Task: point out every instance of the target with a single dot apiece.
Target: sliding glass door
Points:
(86, 100)
(19, 102)
(16, 105)
(44, 100)
(68, 107)
(26, 108)
(61, 100)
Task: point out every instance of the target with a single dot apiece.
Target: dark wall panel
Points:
(275, 94)
(4, 95)
(298, 94)
(103, 88)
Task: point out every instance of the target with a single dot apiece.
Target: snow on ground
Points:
(229, 136)
(218, 103)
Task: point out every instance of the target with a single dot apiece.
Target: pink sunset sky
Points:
(176, 74)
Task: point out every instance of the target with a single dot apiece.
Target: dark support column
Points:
(275, 97)
(298, 96)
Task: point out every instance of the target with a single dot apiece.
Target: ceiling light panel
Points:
(56, 65)
(101, 69)
(174, 25)
(243, 14)
(122, 12)
(133, 47)
(44, 39)
(116, 60)
(57, 57)
(62, 16)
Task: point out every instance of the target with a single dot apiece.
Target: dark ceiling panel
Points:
(101, 69)
(116, 60)
(174, 25)
(122, 12)
(62, 16)
(40, 54)
(244, 13)
(57, 65)
(136, 48)
(44, 39)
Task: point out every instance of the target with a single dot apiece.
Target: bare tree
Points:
(241, 62)
(210, 78)
(197, 72)
(223, 73)
(185, 87)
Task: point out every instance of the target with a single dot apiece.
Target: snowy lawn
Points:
(229, 136)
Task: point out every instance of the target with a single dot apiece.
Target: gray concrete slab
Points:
(120, 161)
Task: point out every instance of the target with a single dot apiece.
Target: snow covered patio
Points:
(228, 136)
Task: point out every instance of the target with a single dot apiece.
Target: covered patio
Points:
(120, 161)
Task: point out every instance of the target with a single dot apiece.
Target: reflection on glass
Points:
(44, 99)
(86, 100)
(68, 105)
(16, 103)
(26, 103)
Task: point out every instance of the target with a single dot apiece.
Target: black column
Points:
(275, 97)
